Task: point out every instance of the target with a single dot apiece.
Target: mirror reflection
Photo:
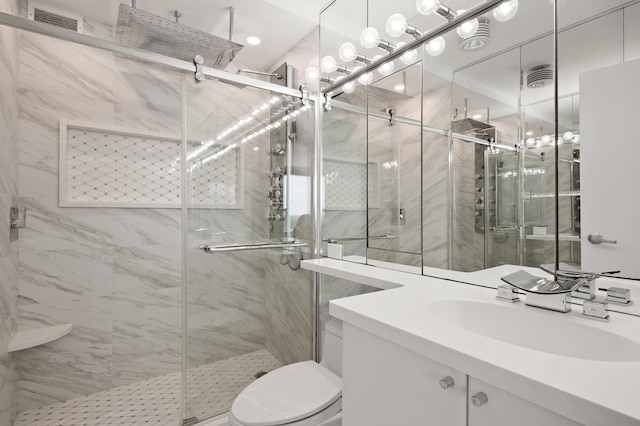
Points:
(488, 138)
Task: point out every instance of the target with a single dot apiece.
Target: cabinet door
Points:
(502, 408)
(387, 385)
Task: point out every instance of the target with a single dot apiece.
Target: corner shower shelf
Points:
(25, 339)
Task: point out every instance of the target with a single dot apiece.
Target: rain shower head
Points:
(469, 126)
(142, 30)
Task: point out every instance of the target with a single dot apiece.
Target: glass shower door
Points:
(234, 202)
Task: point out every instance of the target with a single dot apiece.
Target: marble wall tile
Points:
(147, 96)
(64, 68)
(288, 311)
(113, 273)
(9, 59)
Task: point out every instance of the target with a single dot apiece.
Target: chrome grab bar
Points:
(250, 246)
(384, 236)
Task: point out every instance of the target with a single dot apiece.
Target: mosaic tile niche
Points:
(346, 185)
(105, 166)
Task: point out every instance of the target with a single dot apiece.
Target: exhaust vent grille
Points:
(62, 20)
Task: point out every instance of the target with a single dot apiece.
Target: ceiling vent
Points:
(58, 18)
(539, 76)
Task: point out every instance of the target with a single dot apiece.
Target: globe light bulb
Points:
(328, 64)
(366, 78)
(427, 7)
(396, 25)
(386, 68)
(530, 141)
(347, 52)
(312, 75)
(506, 10)
(567, 136)
(408, 57)
(545, 139)
(467, 28)
(349, 87)
(435, 47)
(369, 37)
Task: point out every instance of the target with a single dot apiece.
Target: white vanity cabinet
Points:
(385, 384)
(502, 408)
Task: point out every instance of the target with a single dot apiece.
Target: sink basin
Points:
(550, 332)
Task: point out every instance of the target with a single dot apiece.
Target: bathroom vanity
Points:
(435, 351)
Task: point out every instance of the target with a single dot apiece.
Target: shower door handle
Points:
(599, 239)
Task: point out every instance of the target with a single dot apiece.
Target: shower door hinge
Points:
(199, 62)
(17, 220)
(305, 95)
(327, 101)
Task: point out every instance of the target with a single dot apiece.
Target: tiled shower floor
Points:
(211, 389)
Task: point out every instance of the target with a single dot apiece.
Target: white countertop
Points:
(587, 391)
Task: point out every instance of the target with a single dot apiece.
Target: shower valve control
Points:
(275, 194)
(278, 172)
(279, 149)
(275, 217)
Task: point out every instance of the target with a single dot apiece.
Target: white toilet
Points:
(301, 394)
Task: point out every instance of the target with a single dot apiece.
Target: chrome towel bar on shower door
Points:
(250, 246)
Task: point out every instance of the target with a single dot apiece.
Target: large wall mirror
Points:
(458, 144)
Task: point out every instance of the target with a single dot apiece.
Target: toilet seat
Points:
(300, 394)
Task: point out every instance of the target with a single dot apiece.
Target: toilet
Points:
(301, 394)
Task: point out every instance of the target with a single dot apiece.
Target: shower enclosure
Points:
(166, 222)
(247, 303)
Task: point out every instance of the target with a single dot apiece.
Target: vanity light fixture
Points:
(386, 68)
(312, 75)
(366, 78)
(369, 38)
(397, 25)
(506, 10)
(348, 53)
(347, 87)
(428, 7)
(410, 56)
(435, 47)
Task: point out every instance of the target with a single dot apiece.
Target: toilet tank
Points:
(332, 346)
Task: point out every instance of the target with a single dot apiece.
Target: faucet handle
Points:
(595, 310)
(586, 290)
(507, 293)
(619, 296)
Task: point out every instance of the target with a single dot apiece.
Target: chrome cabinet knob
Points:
(447, 382)
(599, 239)
(479, 399)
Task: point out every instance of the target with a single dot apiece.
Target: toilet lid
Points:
(287, 394)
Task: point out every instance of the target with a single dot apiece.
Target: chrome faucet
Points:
(556, 295)
(569, 282)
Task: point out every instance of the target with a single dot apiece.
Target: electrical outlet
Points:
(334, 251)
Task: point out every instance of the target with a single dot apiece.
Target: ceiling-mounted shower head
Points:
(142, 30)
